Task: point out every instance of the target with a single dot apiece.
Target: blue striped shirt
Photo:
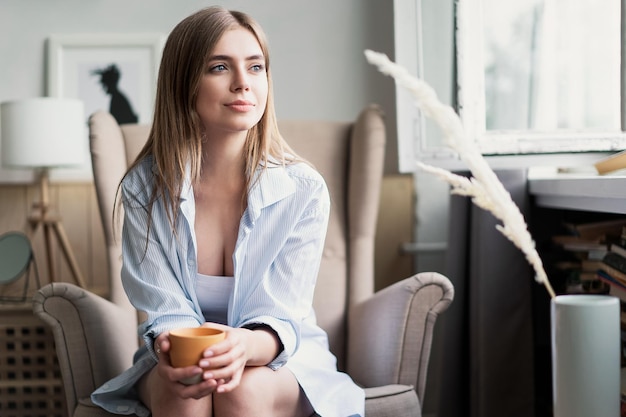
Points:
(276, 261)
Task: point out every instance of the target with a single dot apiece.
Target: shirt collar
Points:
(272, 184)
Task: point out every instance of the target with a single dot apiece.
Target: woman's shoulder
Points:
(293, 177)
(309, 182)
(306, 178)
(140, 176)
(303, 171)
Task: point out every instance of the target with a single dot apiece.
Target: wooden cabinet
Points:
(30, 379)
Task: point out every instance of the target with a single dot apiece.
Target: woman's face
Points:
(234, 87)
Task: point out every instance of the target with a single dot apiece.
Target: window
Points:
(539, 78)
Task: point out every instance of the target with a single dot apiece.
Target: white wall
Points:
(317, 61)
(317, 47)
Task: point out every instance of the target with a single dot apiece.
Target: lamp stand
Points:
(52, 225)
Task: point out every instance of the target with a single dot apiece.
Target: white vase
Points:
(585, 355)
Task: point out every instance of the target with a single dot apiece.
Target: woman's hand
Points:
(172, 377)
(225, 361)
(222, 364)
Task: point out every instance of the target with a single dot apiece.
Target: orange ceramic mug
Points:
(188, 344)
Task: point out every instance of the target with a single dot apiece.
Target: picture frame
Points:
(111, 72)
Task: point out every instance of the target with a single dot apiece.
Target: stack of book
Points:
(612, 268)
(612, 272)
(592, 257)
(583, 250)
(622, 412)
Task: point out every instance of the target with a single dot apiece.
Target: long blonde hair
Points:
(175, 139)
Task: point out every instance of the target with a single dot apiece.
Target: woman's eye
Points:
(218, 68)
(258, 67)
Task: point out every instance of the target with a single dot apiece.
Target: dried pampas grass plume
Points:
(484, 187)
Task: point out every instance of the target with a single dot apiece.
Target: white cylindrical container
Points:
(585, 355)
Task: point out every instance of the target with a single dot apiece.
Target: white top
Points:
(213, 294)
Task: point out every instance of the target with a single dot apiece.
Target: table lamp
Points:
(44, 133)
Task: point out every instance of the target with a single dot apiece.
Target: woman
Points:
(224, 224)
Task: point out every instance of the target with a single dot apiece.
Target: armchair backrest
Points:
(350, 157)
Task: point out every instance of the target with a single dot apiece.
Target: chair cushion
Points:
(392, 401)
(86, 408)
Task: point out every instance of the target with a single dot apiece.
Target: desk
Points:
(577, 191)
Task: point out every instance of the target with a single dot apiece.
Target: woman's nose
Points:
(241, 81)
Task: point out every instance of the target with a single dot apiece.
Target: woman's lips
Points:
(240, 105)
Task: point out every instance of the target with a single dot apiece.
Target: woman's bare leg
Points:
(162, 402)
(264, 393)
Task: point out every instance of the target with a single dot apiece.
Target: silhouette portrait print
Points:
(120, 106)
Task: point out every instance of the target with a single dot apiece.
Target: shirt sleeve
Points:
(151, 273)
(292, 236)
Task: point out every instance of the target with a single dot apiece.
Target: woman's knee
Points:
(160, 400)
(249, 391)
(263, 392)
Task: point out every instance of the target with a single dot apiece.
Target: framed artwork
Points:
(112, 72)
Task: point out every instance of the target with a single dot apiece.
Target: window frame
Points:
(500, 148)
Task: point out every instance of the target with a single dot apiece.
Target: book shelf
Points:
(559, 197)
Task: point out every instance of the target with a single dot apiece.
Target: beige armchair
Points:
(382, 340)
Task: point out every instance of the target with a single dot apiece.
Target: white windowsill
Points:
(583, 190)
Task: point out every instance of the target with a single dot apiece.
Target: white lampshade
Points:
(43, 132)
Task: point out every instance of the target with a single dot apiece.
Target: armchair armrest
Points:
(390, 334)
(95, 339)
